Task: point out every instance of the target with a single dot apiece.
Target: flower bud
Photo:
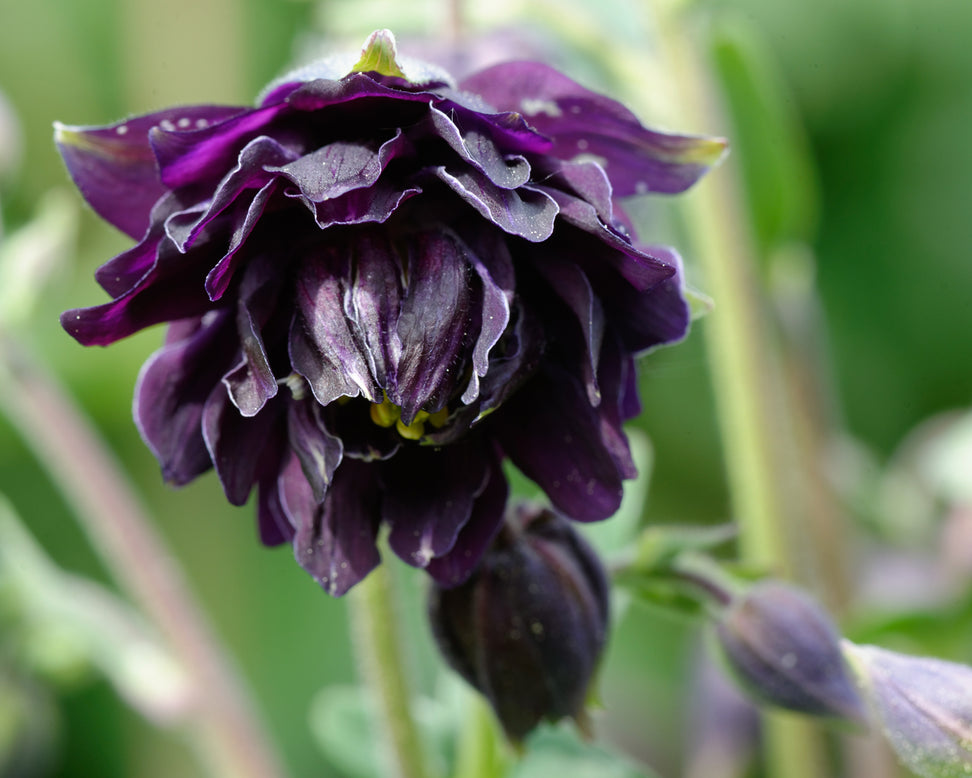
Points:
(528, 627)
(923, 705)
(786, 652)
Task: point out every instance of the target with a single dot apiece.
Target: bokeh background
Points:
(851, 143)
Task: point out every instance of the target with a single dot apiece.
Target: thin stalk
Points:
(745, 375)
(382, 667)
(226, 730)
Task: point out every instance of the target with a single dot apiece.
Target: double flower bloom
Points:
(378, 287)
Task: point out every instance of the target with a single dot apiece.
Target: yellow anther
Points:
(385, 413)
(439, 418)
(413, 431)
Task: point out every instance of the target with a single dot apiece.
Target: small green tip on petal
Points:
(704, 151)
(379, 55)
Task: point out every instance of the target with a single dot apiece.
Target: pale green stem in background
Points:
(745, 373)
(480, 751)
(381, 664)
(224, 727)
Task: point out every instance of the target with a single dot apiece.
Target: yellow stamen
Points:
(439, 418)
(385, 413)
(413, 431)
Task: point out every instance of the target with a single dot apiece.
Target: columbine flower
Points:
(379, 284)
(528, 627)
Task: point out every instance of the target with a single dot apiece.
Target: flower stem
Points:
(227, 732)
(745, 374)
(380, 662)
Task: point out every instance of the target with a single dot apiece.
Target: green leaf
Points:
(344, 722)
(658, 546)
(557, 751)
(768, 139)
(379, 55)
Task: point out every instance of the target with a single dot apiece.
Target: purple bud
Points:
(528, 627)
(923, 705)
(786, 652)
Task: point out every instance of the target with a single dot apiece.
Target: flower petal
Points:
(171, 289)
(456, 565)
(571, 285)
(374, 304)
(434, 324)
(272, 522)
(335, 541)
(237, 444)
(342, 166)
(202, 156)
(585, 125)
(526, 211)
(495, 310)
(360, 206)
(115, 168)
(251, 172)
(170, 392)
(251, 382)
(469, 137)
(323, 348)
(429, 497)
(317, 449)
(551, 432)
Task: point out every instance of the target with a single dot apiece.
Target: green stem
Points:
(381, 665)
(745, 375)
(226, 730)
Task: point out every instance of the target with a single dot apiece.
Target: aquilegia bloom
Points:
(378, 286)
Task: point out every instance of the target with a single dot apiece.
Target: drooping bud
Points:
(786, 652)
(923, 705)
(527, 629)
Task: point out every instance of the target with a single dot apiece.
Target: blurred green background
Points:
(868, 115)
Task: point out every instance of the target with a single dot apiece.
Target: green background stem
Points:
(381, 665)
(746, 377)
(224, 726)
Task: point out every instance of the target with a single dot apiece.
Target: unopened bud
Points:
(923, 705)
(528, 627)
(786, 651)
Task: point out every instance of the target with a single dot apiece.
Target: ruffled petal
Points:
(342, 166)
(526, 211)
(251, 172)
(362, 206)
(470, 138)
(585, 125)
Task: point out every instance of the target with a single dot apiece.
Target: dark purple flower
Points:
(528, 627)
(379, 284)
